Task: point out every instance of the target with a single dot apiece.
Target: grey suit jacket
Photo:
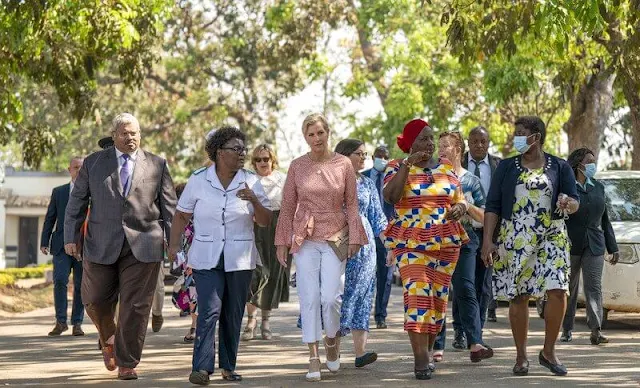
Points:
(143, 217)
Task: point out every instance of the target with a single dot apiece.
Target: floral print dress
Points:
(360, 272)
(184, 295)
(533, 247)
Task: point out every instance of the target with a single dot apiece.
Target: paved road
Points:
(29, 358)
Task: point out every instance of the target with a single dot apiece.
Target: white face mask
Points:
(380, 164)
(520, 143)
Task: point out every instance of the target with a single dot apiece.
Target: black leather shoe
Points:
(566, 336)
(597, 338)
(459, 341)
(491, 315)
(556, 369)
(366, 359)
(424, 374)
(521, 370)
(381, 325)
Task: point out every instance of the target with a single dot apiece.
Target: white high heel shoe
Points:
(313, 376)
(333, 366)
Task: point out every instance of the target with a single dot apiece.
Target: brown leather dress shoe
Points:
(77, 331)
(481, 354)
(156, 322)
(127, 373)
(58, 329)
(108, 357)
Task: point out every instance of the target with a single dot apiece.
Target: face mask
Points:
(590, 170)
(520, 144)
(380, 164)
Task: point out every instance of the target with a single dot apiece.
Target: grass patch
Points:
(19, 300)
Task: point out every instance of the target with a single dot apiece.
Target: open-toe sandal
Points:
(191, 336)
(314, 376)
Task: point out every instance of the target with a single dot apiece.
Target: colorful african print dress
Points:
(534, 248)
(426, 245)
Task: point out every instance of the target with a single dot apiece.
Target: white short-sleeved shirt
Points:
(273, 185)
(221, 220)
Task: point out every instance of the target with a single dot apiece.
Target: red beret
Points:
(409, 134)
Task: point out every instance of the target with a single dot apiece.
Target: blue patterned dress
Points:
(360, 273)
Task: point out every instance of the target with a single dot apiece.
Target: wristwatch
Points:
(405, 162)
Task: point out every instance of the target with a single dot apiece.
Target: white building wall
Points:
(24, 185)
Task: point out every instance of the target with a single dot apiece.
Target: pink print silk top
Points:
(319, 199)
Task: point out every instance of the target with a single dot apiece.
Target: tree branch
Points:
(166, 86)
(164, 126)
(109, 80)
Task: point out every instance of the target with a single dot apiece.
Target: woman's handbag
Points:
(339, 242)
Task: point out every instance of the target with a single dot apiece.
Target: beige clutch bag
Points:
(339, 242)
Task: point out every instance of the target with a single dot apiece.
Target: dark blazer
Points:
(54, 239)
(503, 185)
(590, 227)
(387, 208)
(143, 217)
(493, 162)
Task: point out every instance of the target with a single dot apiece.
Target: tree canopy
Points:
(183, 68)
(64, 45)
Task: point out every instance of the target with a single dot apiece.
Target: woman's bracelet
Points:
(463, 204)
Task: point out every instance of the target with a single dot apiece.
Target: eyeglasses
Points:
(263, 160)
(363, 155)
(237, 149)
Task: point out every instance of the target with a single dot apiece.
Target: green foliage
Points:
(6, 280)
(586, 38)
(63, 45)
(415, 74)
(10, 275)
(220, 62)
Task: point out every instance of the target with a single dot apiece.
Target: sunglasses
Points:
(237, 149)
(261, 160)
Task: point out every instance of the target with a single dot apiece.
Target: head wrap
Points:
(409, 134)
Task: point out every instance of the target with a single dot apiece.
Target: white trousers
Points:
(320, 283)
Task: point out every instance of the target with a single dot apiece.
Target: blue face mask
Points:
(590, 170)
(380, 164)
(520, 144)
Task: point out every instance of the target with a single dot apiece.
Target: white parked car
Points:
(620, 282)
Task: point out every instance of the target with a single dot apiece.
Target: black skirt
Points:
(270, 282)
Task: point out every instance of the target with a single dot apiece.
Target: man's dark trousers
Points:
(63, 264)
(384, 278)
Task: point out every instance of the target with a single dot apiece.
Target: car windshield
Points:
(623, 199)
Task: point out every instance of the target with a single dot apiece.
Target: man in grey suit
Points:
(132, 204)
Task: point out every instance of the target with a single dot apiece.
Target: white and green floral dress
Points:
(533, 247)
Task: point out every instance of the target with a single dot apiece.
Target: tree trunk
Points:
(591, 106)
(371, 54)
(631, 94)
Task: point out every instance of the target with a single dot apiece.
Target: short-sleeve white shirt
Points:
(222, 222)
